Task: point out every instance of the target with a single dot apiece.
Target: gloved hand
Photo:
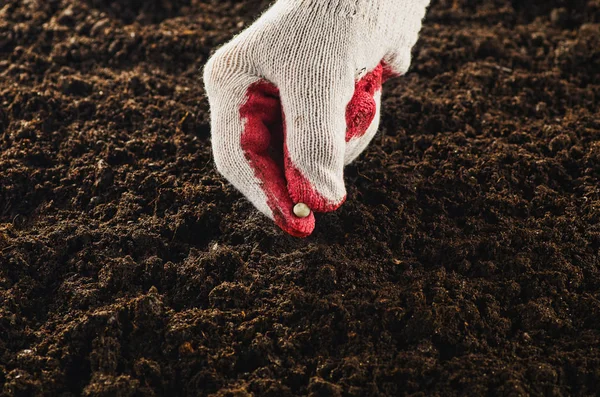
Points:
(296, 96)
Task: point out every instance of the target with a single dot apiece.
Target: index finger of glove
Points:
(246, 130)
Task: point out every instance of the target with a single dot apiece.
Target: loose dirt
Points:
(465, 261)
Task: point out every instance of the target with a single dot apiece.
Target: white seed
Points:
(301, 210)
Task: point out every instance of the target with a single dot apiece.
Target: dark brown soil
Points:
(465, 262)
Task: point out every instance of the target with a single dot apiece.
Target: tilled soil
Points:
(465, 261)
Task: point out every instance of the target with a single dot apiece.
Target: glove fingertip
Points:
(302, 191)
(294, 226)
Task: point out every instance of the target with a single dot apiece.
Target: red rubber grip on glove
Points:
(264, 145)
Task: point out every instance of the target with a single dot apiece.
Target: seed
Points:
(301, 210)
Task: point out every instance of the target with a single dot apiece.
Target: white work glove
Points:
(297, 96)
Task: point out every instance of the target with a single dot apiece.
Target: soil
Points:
(465, 261)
